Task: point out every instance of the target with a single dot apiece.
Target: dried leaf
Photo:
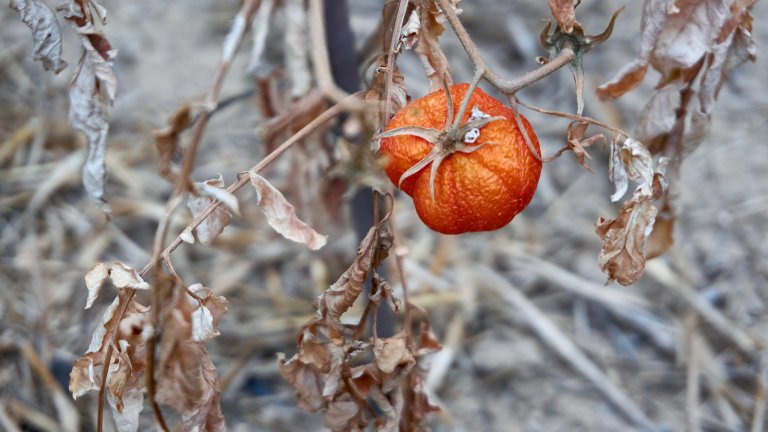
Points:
(206, 315)
(94, 280)
(215, 222)
(392, 353)
(281, 215)
(340, 296)
(343, 415)
(630, 160)
(187, 379)
(46, 34)
(127, 363)
(631, 75)
(305, 379)
(215, 189)
(127, 417)
(123, 276)
(296, 44)
(167, 140)
(662, 237)
(409, 34)
(563, 12)
(91, 92)
(624, 240)
(687, 34)
(432, 57)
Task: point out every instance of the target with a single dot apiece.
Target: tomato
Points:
(461, 181)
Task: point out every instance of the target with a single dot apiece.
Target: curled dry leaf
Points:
(630, 159)
(123, 276)
(91, 92)
(214, 188)
(563, 12)
(124, 381)
(296, 44)
(215, 222)
(623, 254)
(281, 215)
(167, 140)
(94, 280)
(206, 314)
(431, 55)
(340, 296)
(187, 379)
(392, 353)
(120, 274)
(46, 34)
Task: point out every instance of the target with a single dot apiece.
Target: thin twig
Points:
(391, 54)
(509, 87)
(243, 179)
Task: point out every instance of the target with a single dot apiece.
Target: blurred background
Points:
(495, 373)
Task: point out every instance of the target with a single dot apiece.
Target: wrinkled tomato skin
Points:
(479, 191)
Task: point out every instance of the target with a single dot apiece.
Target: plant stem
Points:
(565, 56)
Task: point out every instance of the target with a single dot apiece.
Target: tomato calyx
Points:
(454, 137)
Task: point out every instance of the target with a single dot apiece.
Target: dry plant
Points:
(150, 341)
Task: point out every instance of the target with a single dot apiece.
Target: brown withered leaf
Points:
(736, 48)
(127, 364)
(630, 159)
(167, 140)
(377, 91)
(214, 188)
(687, 34)
(281, 215)
(91, 92)
(46, 34)
(623, 254)
(624, 240)
(340, 296)
(631, 75)
(563, 12)
(123, 276)
(427, 344)
(344, 414)
(120, 274)
(305, 379)
(432, 57)
(662, 237)
(94, 280)
(214, 223)
(187, 379)
(392, 352)
(205, 315)
(127, 417)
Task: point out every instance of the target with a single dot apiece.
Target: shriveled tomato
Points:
(461, 181)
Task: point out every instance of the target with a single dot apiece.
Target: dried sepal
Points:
(46, 34)
(281, 215)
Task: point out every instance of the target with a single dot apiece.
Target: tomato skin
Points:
(479, 191)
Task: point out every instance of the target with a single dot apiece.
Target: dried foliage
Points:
(691, 43)
(45, 32)
(161, 339)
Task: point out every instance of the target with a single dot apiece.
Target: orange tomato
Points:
(479, 185)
